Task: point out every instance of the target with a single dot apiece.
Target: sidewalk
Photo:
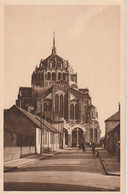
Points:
(109, 163)
(22, 162)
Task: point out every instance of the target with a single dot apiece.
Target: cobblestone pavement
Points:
(72, 170)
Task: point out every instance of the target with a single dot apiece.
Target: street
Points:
(71, 170)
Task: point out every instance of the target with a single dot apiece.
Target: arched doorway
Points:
(77, 137)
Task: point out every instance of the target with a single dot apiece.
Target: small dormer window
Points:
(59, 76)
(59, 64)
(50, 65)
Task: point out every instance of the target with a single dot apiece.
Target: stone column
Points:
(64, 140)
(69, 140)
(77, 138)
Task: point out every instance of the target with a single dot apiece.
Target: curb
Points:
(11, 169)
(106, 171)
(50, 156)
(45, 157)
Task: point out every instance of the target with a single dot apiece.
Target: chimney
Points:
(119, 105)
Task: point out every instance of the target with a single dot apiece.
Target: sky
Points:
(87, 35)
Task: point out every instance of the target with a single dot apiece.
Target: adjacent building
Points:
(24, 133)
(112, 135)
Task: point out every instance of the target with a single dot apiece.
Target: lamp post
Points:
(41, 131)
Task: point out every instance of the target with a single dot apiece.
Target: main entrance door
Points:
(77, 137)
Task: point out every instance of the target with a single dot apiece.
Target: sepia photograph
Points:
(63, 97)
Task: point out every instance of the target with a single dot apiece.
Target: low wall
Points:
(11, 153)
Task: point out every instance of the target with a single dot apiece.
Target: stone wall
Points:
(11, 153)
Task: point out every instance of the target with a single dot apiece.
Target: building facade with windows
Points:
(55, 95)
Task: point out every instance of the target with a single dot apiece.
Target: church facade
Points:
(55, 95)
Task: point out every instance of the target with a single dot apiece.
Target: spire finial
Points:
(54, 48)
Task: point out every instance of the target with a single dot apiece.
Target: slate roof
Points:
(92, 106)
(52, 57)
(86, 95)
(35, 120)
(26, 91)
(115, 128)
(48, 125)
(115, 117)
(40, 90)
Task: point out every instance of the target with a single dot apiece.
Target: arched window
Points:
(42, 76)
(53, 65)
(95, 135)
(45, 106)
(59, 64)
(76, 111)
(53, 76)
(65, 106)
(64, 77)
(49, 107)
(50, 65)
(72, 111)
(59, 76)
(56, 103)
(61, 105)
(91, 135)
(93, 114)
(49, 76)
(46, 76)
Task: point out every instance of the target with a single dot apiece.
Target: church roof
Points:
(41, 90)
(92, 106)
(82, 93)
(53, 57)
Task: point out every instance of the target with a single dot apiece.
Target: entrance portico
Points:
(74, 136)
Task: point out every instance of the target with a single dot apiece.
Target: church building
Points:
(55, 96)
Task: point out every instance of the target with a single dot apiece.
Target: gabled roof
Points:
(92, 106)
(85, 95)
(115, 117)
(115, 128)
(40, 90)
(35, 120)
(48, 125)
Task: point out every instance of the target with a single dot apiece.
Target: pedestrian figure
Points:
(83, 147)
(97, 154)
